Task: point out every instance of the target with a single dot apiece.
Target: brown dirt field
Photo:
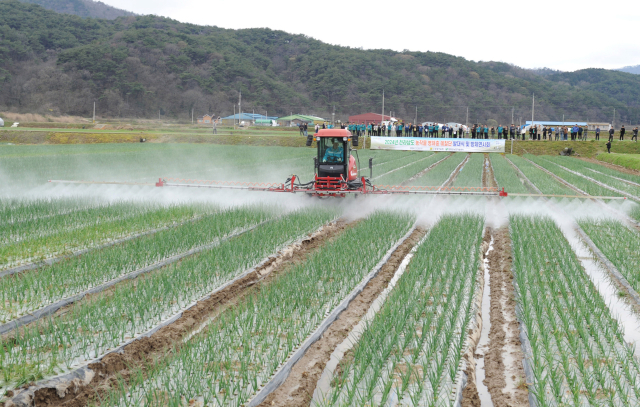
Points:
(503, 362)
(612, 166)
(298, 389)
(146, 350)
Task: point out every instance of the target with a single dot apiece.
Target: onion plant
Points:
(441, 172)
(542, 180)
(599, 173)
(619, 244)
(134, 219)
(411, 350)
(579, 353)
(238, 353)
(93, 326)
(33, 289)
(507, 176)
(577, 181)
(471, 173)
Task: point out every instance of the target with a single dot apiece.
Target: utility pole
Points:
(333, 116)
(512, 109)
(239, 106)
(94, 112)
(466, 123)
(416, 118)
(234, 116)
(613, 123)
(533, 106)
(382, 118)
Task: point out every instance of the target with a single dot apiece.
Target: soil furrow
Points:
(145, 350)
(488, 178)
(505, 377)
(470, 394)
(297, 390)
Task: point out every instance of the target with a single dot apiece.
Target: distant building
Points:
(367, 118)
(302, 118)
(1, 122)
(206, 119)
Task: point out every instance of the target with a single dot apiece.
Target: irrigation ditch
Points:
(95, 378)
(305, 373)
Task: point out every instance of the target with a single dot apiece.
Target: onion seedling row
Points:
(441, 172)
(395, 165)
(539, 178)
(573, 179)
(11, 233)
(31, 290)
(403, 174)
(93, 235)
(619, 244)
(471, 174)
(16, 210)
(93, 326)
(239, 352)
(579, 166)
(579, 356)
(507, 176)
(410, 353)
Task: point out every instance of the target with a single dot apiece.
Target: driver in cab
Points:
(333, 154)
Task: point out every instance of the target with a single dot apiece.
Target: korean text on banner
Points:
(437, 144)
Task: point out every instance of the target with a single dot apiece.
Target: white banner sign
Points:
(438, 144)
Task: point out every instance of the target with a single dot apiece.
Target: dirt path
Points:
(470, 393)
(298, 389)
(505, 377)
(609, 165)
(146, 350)
(488, 178)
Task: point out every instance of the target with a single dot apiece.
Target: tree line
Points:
(142, 66)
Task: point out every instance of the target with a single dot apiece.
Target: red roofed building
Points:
(368, 118)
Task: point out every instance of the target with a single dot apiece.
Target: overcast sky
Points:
(557, 34)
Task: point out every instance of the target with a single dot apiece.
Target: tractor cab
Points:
(335, 166)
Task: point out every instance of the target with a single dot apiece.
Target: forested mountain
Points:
(137, 66)
(82, 8)
(631, 69)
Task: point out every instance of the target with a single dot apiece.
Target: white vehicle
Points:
(1, 122)
(457, 126)
(15, 124)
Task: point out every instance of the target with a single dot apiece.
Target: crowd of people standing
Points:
(477, 131)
